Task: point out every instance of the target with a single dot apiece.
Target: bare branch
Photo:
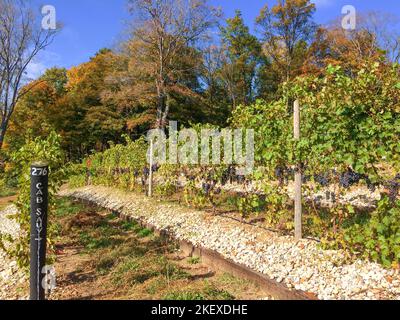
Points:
(21, 39)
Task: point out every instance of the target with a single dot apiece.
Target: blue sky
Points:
(90, 25)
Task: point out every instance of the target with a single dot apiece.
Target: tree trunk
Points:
(166, 112)
(1, 139)
(160, 108)
(3, 128)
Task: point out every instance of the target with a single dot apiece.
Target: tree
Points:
(215, 90)
(164, 35)
(36, 110)
(385, 27)
(93, 121)
(338, 47)
(21, 39)
(129, 92)
(287, 28)
(70, 103)
(242, 60)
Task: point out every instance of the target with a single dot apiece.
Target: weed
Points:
(144, 233)
(194, 260)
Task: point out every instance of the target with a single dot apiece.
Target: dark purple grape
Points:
(322, 179)
(206, 188)
(225, 177)
(393, 189)
(305, 178)
(350, 178)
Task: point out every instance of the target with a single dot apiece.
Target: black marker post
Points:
(39, 206)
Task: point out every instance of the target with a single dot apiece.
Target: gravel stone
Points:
(301, 265)
(10, 275)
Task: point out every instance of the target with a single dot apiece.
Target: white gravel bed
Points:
(11, 277)
(300, 265)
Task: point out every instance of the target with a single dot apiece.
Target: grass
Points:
(208, 292)
(91, 243)
(127, 252)
(133, 261)
(143, 233)
(7, 191)
(184, 295)
(65, 207)
(194, 260)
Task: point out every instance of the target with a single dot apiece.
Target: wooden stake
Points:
(38, 243)
(298, 178)
(151, 170)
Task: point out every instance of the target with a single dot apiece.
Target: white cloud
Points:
(42, 62)
(35, 70)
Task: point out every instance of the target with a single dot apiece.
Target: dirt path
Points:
(6, 201)
(100, 257)
(74, 280)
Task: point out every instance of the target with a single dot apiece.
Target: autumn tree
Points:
(70, 102)
(36, 111)
(124, 88)
(96, 122)
(242, 60)
(385, 27)
(338, 47)
(215, 91)
(287, 28)
(163, 46)
(21, 39)
(375, 39)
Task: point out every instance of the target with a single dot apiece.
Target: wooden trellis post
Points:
(151, 169)
(38, 238)
(298, 178)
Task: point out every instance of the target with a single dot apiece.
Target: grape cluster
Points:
(119, 171)
(346, 179)
(209, 187)
(323, 179)
(206, 187)
(393, 188)
(284, 174)
(350, 178)
(280, 174)
(145, 175)
(229, 175)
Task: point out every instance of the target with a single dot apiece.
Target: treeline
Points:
(173, 66)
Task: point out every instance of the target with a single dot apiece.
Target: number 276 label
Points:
(39, 172)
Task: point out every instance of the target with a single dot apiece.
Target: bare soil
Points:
(6, 201)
